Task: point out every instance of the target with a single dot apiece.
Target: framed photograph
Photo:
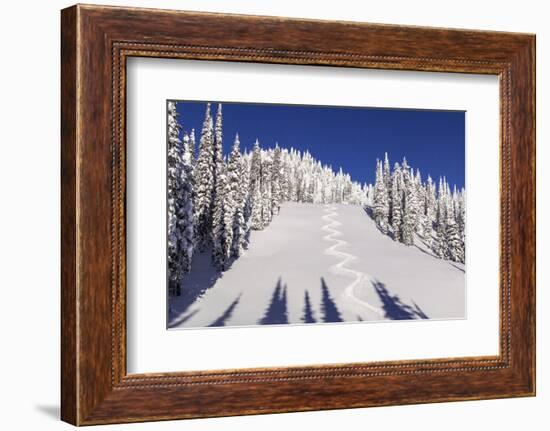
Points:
(263, 235)
(317, 215)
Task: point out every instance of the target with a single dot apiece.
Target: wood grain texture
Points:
(69, 397)
(96, 41)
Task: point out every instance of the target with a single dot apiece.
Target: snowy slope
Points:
(335, 253)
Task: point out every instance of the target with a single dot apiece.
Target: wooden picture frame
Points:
(95, 43)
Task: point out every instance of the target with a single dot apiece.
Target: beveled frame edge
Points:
(96, 41)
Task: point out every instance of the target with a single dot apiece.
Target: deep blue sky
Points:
(352, 138)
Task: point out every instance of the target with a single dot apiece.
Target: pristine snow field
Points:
(335, 255)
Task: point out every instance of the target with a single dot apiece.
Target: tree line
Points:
(403, 206)
(215, 201)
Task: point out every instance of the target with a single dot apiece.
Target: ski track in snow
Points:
(358, 278)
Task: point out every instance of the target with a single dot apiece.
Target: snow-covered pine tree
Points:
(331, 181)
(267, 212)
(387, 172)
(427, 230)
(397, 201)
(429, 212)
(441, 246)
(406, 171)
(204, 183)
(381, 206)
(340, 186)
(247, 206)
(410, 206)
(346, 195)
(422, 208)
(409, 216)
(286, 185)
(192, 149)
(277, 174)
(357, 195)
(174, 168)
(237, 194)
(222, 232)
(296, 176)
(326, 185)
(454, 242)
(217, 153)
(369, 191)
(255, 187)
(452, 233)
(461, 219)
(310, 189)
(300, 184)
(185, 207)
(420, 197)
(180, 203)
(430, 199)
(316, 183)
(191, 144)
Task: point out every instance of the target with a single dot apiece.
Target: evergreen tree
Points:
(186, 217)
(427, 230)
(174, 150)
(204, 181)
(441, 245)
(255, 187)
(247, 207)
(430, 199)
(286, 184)
(381, 206)
(267, 212)
(217, 153)
(430, 211)
(191, 151)
(387, 182)
(236, 198)
(461, 221)
(222, 232)
(397, 200)
(276, 181)
(192, 148)
(410, 206)
(180, 203)
(452, 233)
(300, 184)
(409, 214)
(454, 242)
(420, 197)
(387, 172)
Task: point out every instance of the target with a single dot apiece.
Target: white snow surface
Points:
(351, 271)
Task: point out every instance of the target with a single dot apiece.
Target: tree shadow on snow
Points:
(277, 311)
(393, 307)
(220, 321)
(329, 309)
(307, 316)
(202, 277)
(182, 319)
(457, 267)
(419, 312)
(432, 254)
(370, 212)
